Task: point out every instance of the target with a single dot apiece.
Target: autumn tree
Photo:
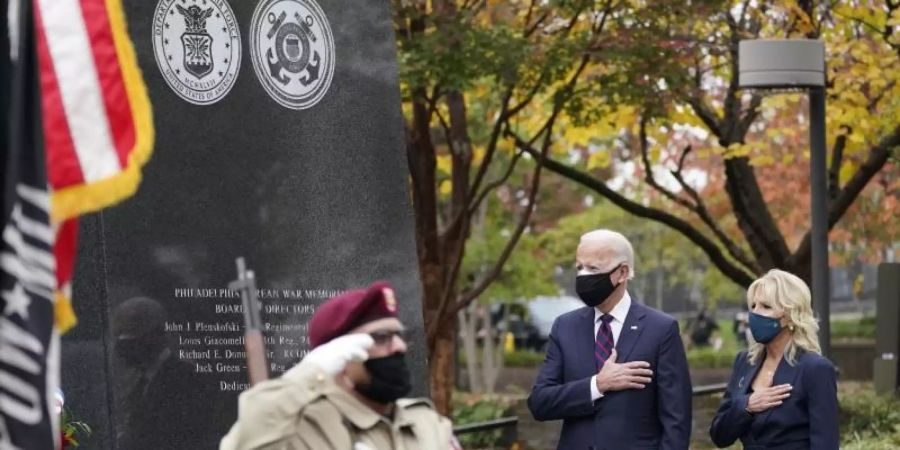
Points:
(470, 71)
(588, 87)
(684, 113)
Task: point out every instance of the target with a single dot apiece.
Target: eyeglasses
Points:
(385, 337)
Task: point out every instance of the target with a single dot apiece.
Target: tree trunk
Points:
(441, 367)
(468, 326)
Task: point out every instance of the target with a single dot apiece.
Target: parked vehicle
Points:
(542, 311)
(530, 322)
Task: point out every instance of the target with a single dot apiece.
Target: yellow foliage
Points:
(446, 188)
(506, 147)
(737, 150)
(477, 154)
(444, 164)
(762, 160)
(599, 159)
(895, 19)
(848, 168)
(686, 116)
(856, 138)
(655, 153)
(578, 136)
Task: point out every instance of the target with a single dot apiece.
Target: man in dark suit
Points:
(615, 371)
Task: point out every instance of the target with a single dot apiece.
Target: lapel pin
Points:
(634, 327)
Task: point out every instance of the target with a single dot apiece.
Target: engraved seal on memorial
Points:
(292, 49)
(197, 44)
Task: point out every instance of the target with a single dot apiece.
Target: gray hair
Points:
(623, 252)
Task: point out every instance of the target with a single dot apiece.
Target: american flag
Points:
(79, 129)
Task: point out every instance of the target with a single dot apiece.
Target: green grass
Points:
(518, 358)
(853, 329)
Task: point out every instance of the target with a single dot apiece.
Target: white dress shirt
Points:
(619, 313)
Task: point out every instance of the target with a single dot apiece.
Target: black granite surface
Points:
(315, 199)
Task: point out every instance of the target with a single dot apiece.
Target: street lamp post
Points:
(799, 64)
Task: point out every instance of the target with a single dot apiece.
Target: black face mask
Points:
(390, 379)
(594, 289)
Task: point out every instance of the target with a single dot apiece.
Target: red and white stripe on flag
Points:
(98, 129)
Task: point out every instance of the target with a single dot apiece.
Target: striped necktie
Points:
(603, 343)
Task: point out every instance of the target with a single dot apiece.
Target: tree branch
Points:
(705, 113)
(754, 218)
(648, 169)
(709, 247)
(837, 157)
(878, 157)
(873, 103)
(606, 12)
(703, 212)
(750, 115)
(444, 126)
(469, 296)
(697, 207)
(433, 100)
(495, 184)
(537, 23)
(743, 17)
(492, 144)
(519, 107)
(862, 22)
(560, 97)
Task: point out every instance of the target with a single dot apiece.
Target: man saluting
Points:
(347, 392)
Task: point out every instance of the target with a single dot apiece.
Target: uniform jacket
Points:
(808, 419)
(312, 412)
(656, 417)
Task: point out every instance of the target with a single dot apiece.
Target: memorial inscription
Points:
(217, 346)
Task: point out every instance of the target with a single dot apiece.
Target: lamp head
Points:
(782, 64)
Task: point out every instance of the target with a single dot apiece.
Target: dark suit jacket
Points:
(808, 419)
(656, 417)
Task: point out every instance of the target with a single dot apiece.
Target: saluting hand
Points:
(769, 397)
(334, 355)
(617, 377)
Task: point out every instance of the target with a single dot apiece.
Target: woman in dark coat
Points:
(783, 392)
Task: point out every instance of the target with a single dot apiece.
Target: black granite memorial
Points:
(279, 139)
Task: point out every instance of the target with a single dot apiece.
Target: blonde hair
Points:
(789, 293)
(623, 252)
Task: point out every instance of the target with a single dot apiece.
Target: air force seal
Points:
(292, 51)
(197, 45)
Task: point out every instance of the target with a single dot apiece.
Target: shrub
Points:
(868, 421)
(709, 358)
(473, 408)
(518, 358)
(524, 358)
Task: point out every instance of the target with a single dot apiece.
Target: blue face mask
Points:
(763, 328)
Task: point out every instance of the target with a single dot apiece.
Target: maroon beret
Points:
(349, 310)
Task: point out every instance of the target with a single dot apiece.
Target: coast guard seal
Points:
(197, 45)
(292, 51)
